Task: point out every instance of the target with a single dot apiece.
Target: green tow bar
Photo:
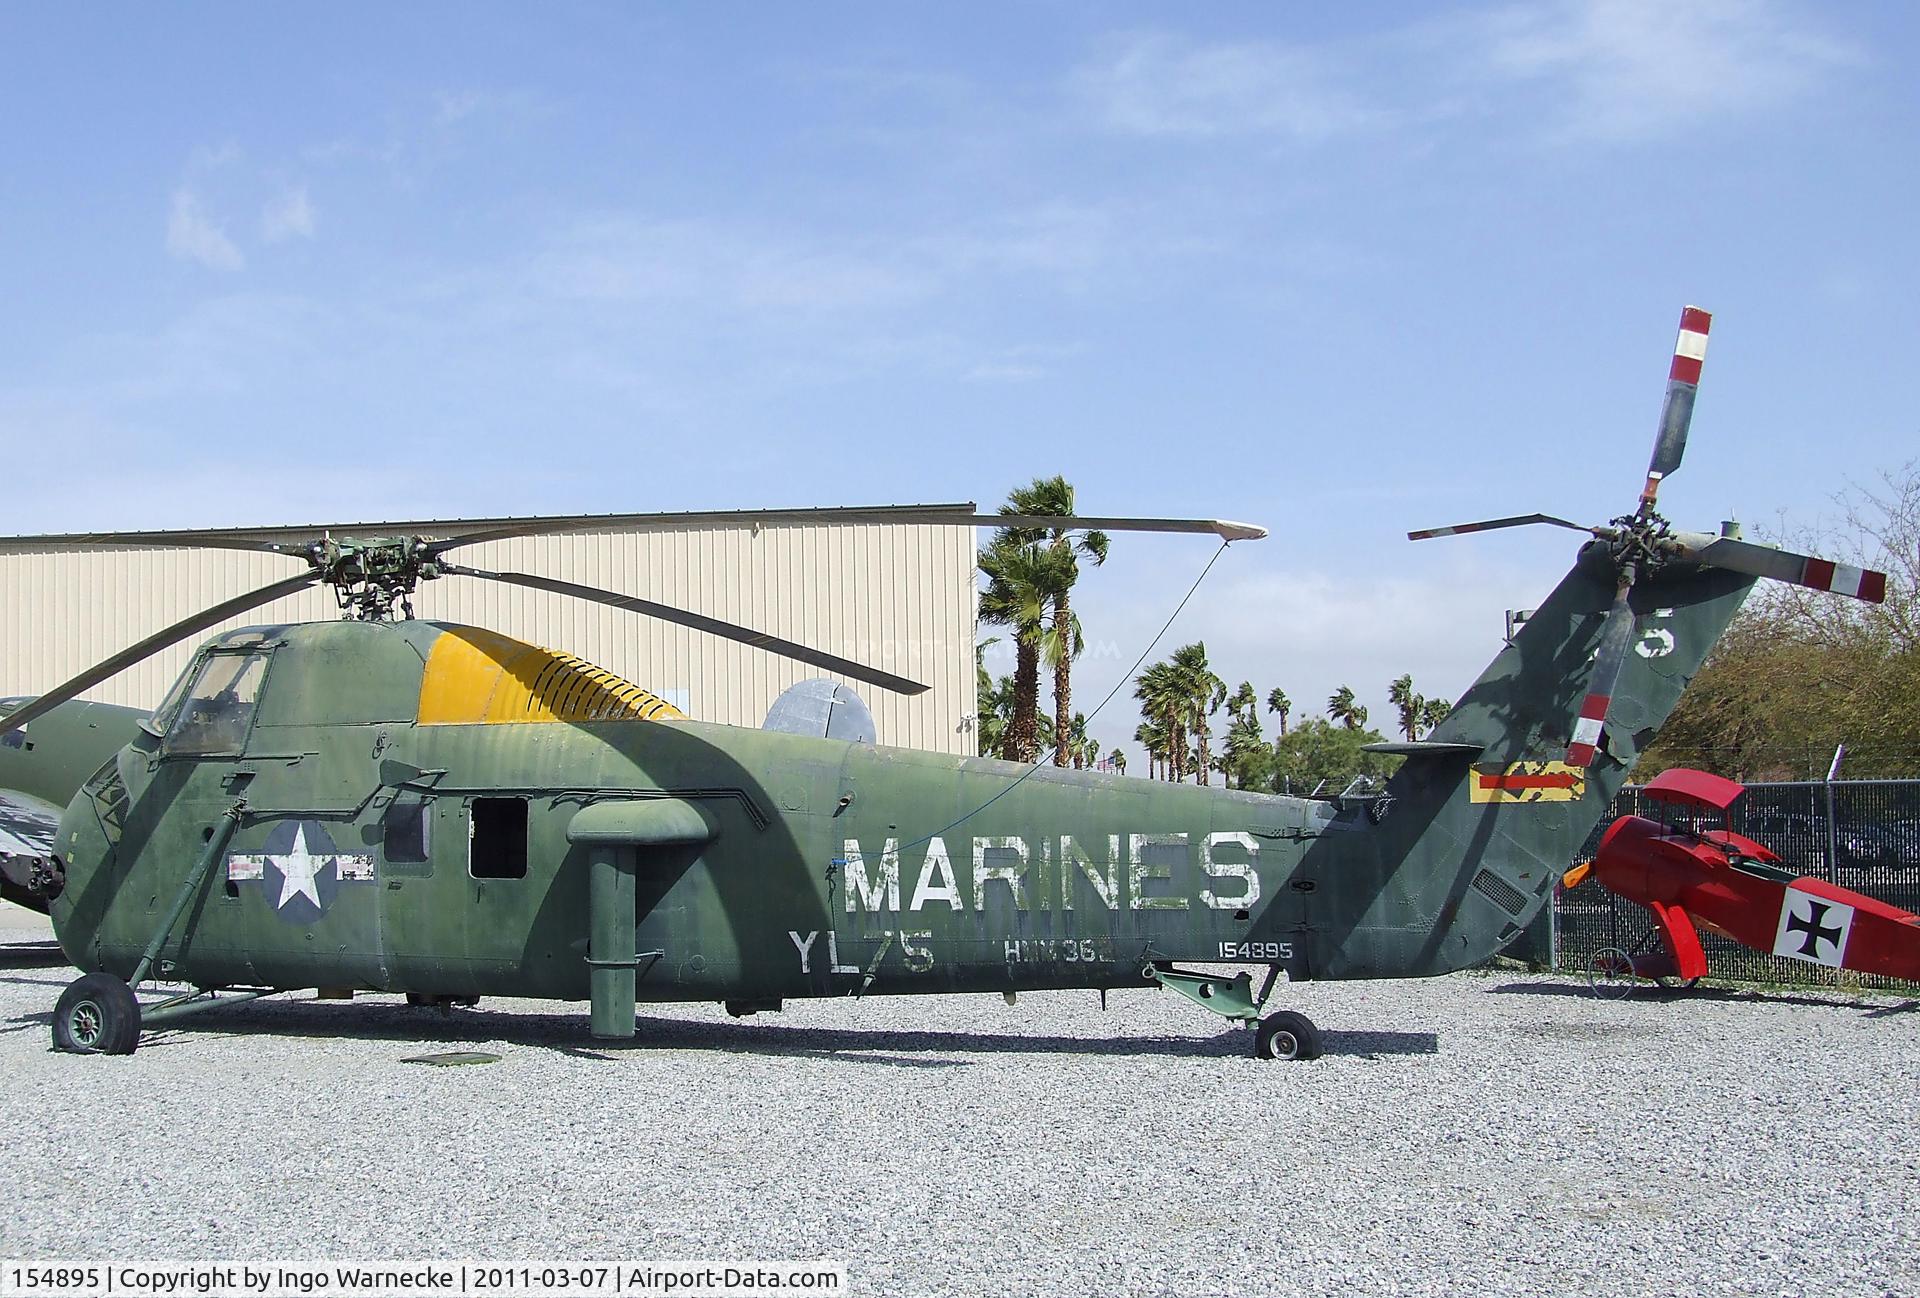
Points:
(196, 879)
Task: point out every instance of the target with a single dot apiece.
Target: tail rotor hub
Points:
(1642, 542)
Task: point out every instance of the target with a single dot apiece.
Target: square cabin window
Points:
(497, 838)
(407, 836)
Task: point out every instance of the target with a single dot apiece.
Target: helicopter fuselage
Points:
(416, 807)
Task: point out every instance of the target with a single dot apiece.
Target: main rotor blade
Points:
(1785, 565)
(152, 645)
(1491, 524)
(1683, 384)
(935, 515)
(301, 546)
(190, 539)
(700, 622)
(1615, 640)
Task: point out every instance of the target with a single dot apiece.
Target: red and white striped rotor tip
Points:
(1586, 731)
(1683, 382)
(1690, 348)
(1845, 579)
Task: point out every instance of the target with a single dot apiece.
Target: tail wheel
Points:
(1287, 1034)
(1610, 976)
(97, 1015)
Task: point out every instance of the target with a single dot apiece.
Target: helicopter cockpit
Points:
(210, 708)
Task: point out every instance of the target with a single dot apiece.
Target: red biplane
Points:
(1728, 883)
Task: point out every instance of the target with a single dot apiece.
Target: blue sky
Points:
(1341, 270)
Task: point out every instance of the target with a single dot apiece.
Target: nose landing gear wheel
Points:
(1286, 1034)
(97, 1015)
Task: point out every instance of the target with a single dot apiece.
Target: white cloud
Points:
(1152, 84)
(288, 215)
(1635, 68)
(193, 235)
(1610, 69)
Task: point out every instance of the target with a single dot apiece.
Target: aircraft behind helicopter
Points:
(395, 805)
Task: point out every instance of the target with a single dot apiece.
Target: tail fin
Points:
(1485, 818)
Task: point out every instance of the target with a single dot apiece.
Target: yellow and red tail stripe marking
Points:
(1528, 782)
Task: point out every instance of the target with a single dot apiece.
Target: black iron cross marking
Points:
(1811, 926)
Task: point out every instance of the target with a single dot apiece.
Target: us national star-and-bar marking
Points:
(300, 871)
(1812, 928)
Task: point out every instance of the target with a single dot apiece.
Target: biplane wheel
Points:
(1611, 975)
(96, 1015)
(1287, 1034)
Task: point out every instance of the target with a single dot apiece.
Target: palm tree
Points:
(1401, 695)
(1019, 581)
(1242, 742)
(1054, 497)
(1277, 701)
(1150, 736)
(1084, 748)
(1205, 693)
(1118, 760)
(1432, 713)
(992, 705)
(1165, 702)
(1343, 707)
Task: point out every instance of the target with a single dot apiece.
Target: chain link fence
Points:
(1859, 834)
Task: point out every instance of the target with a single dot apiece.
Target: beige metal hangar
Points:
(895, 595)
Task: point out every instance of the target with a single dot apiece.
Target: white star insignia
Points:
(297, 869)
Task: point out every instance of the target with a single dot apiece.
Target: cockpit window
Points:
(215, 711)
(170, 705)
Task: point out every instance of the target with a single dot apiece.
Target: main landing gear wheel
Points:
(1286, 1034)
(97, 1015)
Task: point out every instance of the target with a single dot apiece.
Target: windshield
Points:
(214, 712)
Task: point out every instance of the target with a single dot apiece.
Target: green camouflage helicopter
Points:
(394, 805)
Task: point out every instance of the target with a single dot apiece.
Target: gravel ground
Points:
(1465, 1135)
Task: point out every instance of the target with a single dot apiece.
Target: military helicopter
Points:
(387, 804)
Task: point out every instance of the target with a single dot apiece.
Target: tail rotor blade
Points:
(1683, 384)
(1493, 524)
(1615, 640)
(153, 644)
(1799, 569)
(700, 622)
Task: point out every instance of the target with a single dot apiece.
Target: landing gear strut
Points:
(1284, 1034)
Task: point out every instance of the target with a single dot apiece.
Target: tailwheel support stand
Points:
(1284, 1034)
